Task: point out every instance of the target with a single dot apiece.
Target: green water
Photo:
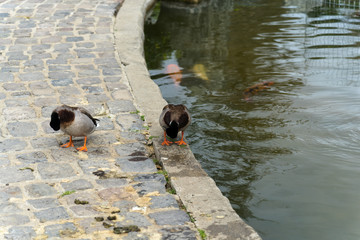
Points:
(287, 157)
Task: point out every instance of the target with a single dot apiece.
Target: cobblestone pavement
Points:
(56, 52)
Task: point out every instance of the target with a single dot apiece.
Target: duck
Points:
(174, 119)
(73, 121)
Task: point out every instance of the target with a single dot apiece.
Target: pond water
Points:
(287, 155)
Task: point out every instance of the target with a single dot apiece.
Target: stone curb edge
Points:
(199, 194)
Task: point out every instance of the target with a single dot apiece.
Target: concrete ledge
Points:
(198, 192)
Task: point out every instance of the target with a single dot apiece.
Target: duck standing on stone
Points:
(173, 119)
(74, 121)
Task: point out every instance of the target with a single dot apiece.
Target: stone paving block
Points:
(112, 182)
(31, 158)
(136, 235)
(101, 139)
(133, 136)
(133, 218)
(13, 220)
(154, 177)
(90, 166)
(88, 80)
(22, 129)
(20, 233)
(61, 47)
(112, 71)
(163, 201)
(40, 190)
(21, 94)
(18, 113)
(85, 44)
(178, 233)
(12, 56)
(39, 48)
(105, 123)
(41, 89)
(14, 86)
(84, 211)
(70, 100)
(15, 174)
(123, 106)
(116, 194)
(170, 217)
(92, 89)
(112, 79)
(57, 68)
(136, 164)
(61, 230)
(6, 208)
(89, 225)
(80, 184)
(10, 192)
(95, 98)
(44, 203)
(62, 82)
(130, 148)
(9, 69)
(32, 76)
(130, 122)
(60, 75)
(88, 196)
(149, 187)
(64, 155)
(55, 170)
(74, 39)
(44, 142)
(93, 152)
(88, 72)
(6, 77)
(51, 39)
(51, 214)
(43, 101)
(16, 102)
(4, 159)
(124, 205)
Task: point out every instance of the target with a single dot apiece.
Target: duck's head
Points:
(55, 121)
(173, 130)
(62, 115)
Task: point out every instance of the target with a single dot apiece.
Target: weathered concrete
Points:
(211, 211)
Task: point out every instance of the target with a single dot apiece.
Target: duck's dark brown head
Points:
(55, 121)
(173, 130)
(62, 115)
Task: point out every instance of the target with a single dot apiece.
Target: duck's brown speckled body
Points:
(174, 119)
(74, 121)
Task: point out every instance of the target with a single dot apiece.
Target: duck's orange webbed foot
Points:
(69, 144)
(83, 148)
(166, 142)
(181, 142)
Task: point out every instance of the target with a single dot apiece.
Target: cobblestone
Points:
(63, 52)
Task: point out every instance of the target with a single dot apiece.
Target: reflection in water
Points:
(286, 157)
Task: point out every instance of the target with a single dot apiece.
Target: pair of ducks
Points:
(78, 122)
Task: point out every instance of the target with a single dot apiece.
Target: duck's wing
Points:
(88, 114)
(184, 120)
(165, 116)
(182, 116)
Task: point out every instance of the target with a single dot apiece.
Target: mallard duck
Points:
(173, 119)
(74, 121)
